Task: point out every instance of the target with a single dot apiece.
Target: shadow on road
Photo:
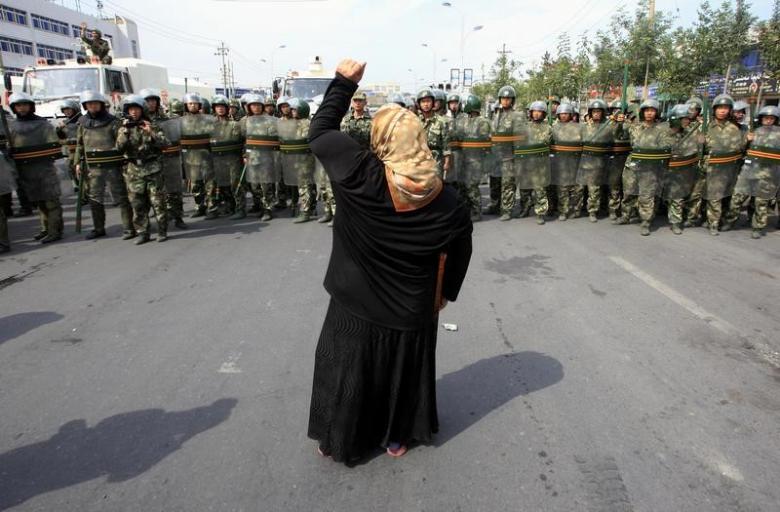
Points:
(466, 396)
(12, 326)
(120, 447)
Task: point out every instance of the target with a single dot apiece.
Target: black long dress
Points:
(374, 370)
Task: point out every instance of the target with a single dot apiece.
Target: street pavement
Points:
(592, 370)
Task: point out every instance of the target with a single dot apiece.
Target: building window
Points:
(14, 71)
(50, 25)
(76, 30)
(135, 48)
(52, 52)
(12, 15)
(10, 45)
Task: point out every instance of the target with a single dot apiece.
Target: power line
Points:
(162, 26)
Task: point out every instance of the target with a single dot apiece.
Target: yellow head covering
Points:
(398, 139)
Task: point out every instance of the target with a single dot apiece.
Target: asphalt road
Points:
(592, 370)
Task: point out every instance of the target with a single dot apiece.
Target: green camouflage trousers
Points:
(174, 205)
(615, 198)
(594, 199)
(307, 199)
(760, 217)
(98, 179)
(566, 197)
(205, 193)
(328, 201)
(695, 202)
(145, 192)
(536, 197)
(645, 206)
(262, 195)
(51, 216)
(675, 209)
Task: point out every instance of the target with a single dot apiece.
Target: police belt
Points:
(684, 161)
(104, 158)
(621, 147)
(566, 147)
(71, 145)
(765, 154)
(530, 150)
(454, 145)
(200, 141)
(226, 147)
(25, 154)
(295, 147)
(650, 154)
(499, 140)
(171, 151)
(596, 148)
(262, 142)
(475, 144)
(724, 158)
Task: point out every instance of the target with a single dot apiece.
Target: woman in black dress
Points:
(401, 247)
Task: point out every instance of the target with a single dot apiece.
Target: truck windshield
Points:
(52, 83)
(306, 88)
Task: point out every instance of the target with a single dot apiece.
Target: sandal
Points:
(396, 450)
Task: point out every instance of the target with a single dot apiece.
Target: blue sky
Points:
(387, 34)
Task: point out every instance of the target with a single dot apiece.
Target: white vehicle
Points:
(48, 84)
(309, 86)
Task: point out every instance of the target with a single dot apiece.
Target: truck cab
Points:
(309, 85)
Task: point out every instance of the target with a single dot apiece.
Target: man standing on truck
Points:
(96, 44)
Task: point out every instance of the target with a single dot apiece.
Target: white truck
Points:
(51, 83)
(309, 86)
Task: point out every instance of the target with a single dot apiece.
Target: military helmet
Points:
(538, 105)
(770, 110)
(723, 99)
(439, 95)
(410, 102)
(133, 100)
(425, 93)
(150, 93)
(301, 106)
(87, 96)
(219, 99)
(20, 97)
(616, 105)
(397, 99)
(564, 108)
(649, 103)
(70, 103)
(97, 31)
(192, 97)
(597, 104)
(359, 95)
(453, 97)
(695, 103)
(283, 100)
(205, 107)
(252, 98)
(740, 105)
(242, 98)
(677, 114)
(234, 103)
(472, 104)
(176, 106)
(269, 100)
(507, 91)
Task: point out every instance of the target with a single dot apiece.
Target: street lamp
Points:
(462, 30)
(426, 45)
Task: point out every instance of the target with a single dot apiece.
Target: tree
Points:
(503, 72)
(769, 43)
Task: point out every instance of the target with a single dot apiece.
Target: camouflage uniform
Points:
(172, 168)
(359, 128)
(96, 143)
(262, 162)
(532, 167)
(621, 147)
(227, 144)
(565, 154)
(196, 133)
(297, 162)
(34, 146)
(645, 169)
(759, 179)
(99, 47)
(724, 147)
(144, 176)
(473, 133)
(438, 135)
(682, 173)
(66, 131)
(508, 129)
(597, 142)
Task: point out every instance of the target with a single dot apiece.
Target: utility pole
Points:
(504, 52)
(232, 81)
(651, 20)
(222, 51)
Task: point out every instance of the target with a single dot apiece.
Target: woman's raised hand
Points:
(351, 69)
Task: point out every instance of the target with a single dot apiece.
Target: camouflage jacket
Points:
(438, 134)
(359, 128)
(507, 125)
(142, 149)
(685, 143)
(657, 136)
(724, 137)
(765, 147)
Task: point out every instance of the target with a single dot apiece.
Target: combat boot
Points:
(562, 217)
(256, 208)
(199, 212)
(525, 212)
(325, 218)
(142, 238)
(179, 223)
(727, 226)
(593, 217)
(129, 235)
(714, 230)
(303, 217)
(676, 229)
(540, 220)
(95, 233)
(622, 220)
(267, 216)
(756, 234)
(162, 234)
(505, 217)
(51, 238)
(613, 216)
(41, 235)
(644, 229)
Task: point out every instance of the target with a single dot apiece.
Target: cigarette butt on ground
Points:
(450, 327)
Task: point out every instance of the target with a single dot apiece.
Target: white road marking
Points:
(764, 350)
(231, 365)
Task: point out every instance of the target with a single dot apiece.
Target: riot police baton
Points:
(80, 194)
